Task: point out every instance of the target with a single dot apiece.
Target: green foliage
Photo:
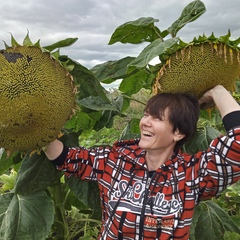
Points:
(8, 181)
(138, 31)
(210, 222)
(134, 83)
(111, 70)
(154, 49)
(131, 130)
(231, 236)
(25, 217)
(190, 13)
(105, 136)
(144, 30)
(86, 192)
(201, 139)
(229, 200)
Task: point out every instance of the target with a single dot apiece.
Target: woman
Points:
(148, 188)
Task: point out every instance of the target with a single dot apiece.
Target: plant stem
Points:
(154, 28)
(133, 99)
(61, 222)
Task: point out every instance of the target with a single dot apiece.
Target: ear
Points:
(178, 136)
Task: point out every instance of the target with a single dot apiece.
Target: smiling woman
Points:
(169, 121)
(148, 187)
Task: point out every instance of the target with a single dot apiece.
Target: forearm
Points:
(224, 101)
(54, 149)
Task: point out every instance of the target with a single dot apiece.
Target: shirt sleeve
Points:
(219, 167)
(87, 164)
(231, 120)
(61, 158)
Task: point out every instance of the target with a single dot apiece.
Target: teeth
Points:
(148, 134)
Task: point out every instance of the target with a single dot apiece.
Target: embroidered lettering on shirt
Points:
(132, 200)
(167, 223)
(152, 222)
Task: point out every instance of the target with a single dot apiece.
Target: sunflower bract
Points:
(36, 98)
(198, 68)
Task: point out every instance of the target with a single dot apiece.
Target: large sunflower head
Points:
(200, 65)
(37, 96)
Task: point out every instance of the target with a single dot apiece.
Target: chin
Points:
(142, 145)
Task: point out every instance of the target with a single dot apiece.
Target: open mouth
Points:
(147, 134)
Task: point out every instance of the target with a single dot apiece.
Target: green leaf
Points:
(79, 121)
(231, 236)
(190, 13)
(212, 222)
(63, 43)
(88, 83)
(236, 219)
(225, 38)
(96, 103)
(25, 217)
(56, 54)
(36, 173)
(135, 82)
(86, 192)
(117, 102)
(37, 44)
(213, 118)
(112, 70)
(201, 139)
(196, 215)
(153, 50)
(6, 45)
(109, 110)
(106, 120)
(235, 42)
(8, 181)
(70, 139)
(27, 41)
(138, 31)
(14, 42)
(131, 131)
(7, 162)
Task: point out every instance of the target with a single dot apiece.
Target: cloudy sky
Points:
(94, 21)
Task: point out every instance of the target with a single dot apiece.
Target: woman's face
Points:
(157, 134)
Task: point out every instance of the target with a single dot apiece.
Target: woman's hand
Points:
(206, 101)
(220, 97)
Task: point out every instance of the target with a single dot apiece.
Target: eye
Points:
(157, 119)
(145, 114)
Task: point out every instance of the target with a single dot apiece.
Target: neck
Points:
(157, 159)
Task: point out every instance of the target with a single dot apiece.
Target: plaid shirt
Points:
(137, 205)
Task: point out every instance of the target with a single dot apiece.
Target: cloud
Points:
(94, 21)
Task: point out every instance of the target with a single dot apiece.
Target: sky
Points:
(94, 21)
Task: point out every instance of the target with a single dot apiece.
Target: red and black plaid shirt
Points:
(140, 205)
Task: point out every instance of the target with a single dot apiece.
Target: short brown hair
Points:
(183, 112)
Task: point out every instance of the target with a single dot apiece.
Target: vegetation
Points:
(38, 202)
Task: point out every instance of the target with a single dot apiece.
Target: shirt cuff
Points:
(231, 120)
(61, 158)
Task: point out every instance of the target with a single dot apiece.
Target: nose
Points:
(146, 120)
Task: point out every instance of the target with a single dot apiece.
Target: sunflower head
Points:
(37, 96)
(199, 66)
